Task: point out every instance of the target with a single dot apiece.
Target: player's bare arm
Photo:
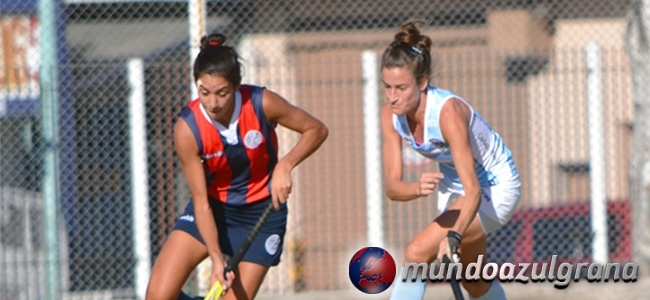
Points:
(454, 119)
(313, 134)
(188, 155)
(396, 188)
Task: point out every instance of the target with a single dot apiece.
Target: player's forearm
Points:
(207, 229)
(469, 209)
(398, 190)
(203, 217)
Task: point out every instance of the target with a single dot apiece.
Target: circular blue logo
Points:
(372, 270)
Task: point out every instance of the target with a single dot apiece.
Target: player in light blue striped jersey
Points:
(478, 184)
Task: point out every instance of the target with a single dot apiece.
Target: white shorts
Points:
(498, 203)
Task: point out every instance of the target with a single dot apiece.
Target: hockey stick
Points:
(455, 285)
(216, 291)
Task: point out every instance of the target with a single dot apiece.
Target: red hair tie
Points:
(214, 43)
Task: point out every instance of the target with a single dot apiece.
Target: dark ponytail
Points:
(215, 58)
(410, 50)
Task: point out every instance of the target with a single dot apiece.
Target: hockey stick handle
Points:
(455, 286)
(237, 257)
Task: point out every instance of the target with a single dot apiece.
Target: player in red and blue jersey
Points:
(228, 149)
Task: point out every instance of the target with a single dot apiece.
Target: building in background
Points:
(527, 79)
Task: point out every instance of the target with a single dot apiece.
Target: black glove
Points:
(453, 245)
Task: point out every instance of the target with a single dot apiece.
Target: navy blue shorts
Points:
(234, 223)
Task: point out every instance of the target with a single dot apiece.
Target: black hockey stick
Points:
(455, 285)
(216, 290)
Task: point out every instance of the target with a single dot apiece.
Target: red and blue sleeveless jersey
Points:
(237, 171)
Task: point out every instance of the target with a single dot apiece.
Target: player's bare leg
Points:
(180, 254)
(474, 244)
(247, 285)
(424, 248)
(479, 290)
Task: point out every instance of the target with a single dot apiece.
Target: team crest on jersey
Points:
(438, 143)
(252, 139)
(272, 244)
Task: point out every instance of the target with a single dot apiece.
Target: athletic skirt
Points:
(234, 223)
(498, 201)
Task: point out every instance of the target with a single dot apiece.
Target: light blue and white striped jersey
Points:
(492, 159)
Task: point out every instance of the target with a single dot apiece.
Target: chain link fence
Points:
(522, 64)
